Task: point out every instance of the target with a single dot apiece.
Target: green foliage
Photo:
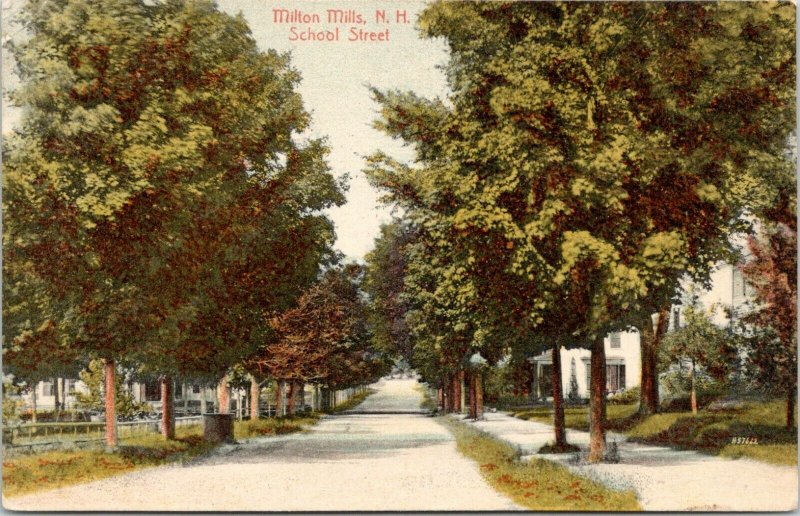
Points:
(324, 339)
(539, 485)
(384, 283)
(11, 402)
(572, 393)
(627, 397)
(589, 156)
(677, 388)
(155, 191)
(273, 426)
(770, 327)
(94, 379)
(26, 474)
(702, 343)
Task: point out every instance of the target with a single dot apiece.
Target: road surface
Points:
(375, 458)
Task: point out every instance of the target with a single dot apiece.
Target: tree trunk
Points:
(457, 392)
(597, 402)
(64, 394)
(440, 397)
(462, 389)
(223, 397)
(255, 396)
(111, 405)
(203, 402)
(478, 395)
(693, 395)
(239, 411)
(33, 402)
(167, 408)
(292, 398)
(473, 408)
(278, 398)
(790, 408)
(56, 397)
(649, 342)
(558, 399)
(185, 395)
(301, 394)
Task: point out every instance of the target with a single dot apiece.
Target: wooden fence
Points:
(54, 435)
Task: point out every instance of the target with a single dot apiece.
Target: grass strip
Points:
(759, 423)
(273, 426)
(50, 470)
(538, 484)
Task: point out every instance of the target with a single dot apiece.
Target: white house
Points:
(623, 367)
(623, 352)
(188, 397)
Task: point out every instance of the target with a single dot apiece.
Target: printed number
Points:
(744, 440)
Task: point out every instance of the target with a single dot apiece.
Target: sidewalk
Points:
(664, 479)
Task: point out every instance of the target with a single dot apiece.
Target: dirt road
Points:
(377, 458)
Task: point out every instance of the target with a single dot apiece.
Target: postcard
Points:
(399, 255)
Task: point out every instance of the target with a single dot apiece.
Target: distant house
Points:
(187, 396)
(623, 367)
(623, 352)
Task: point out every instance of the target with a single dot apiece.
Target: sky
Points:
(334, 87)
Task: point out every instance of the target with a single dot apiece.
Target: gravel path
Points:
(352, 462)
(665, 479)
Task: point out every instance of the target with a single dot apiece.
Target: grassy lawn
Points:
(578, 417)
(711, 432)
(49, 470)
(273, 426)
(538, 485)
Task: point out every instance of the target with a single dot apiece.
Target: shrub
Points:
(625, 397)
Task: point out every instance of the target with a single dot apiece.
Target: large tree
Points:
(384, 282)
(772, 339)
(324, 339)
(153, 170)
(593, 152)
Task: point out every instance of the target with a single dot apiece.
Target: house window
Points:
(615, 377)
(179, 390)
(196, 389)
(616, 340)
(69, 386)
(152, 390)
(47, 389)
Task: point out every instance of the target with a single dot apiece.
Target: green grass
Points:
(49, 470)
(707, 432)
(428, 403)
(539, 484)
(273, 426)
(578, 417)
(353, 402)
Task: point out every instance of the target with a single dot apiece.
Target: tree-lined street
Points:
(559, 208)
(387, 462)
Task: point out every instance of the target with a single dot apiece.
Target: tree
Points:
(93, 376)
(153, 174)
(583, 148)
(771, 325)
(324, 339)
(384, 282)
(703, 345)
(573, 395)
